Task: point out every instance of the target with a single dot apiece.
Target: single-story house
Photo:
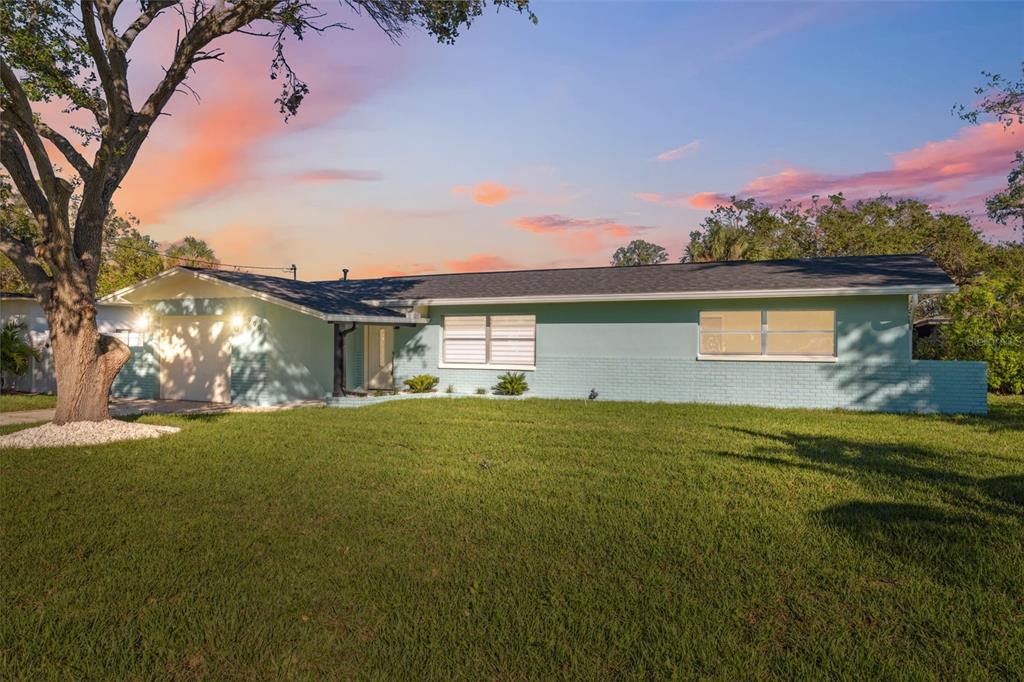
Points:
(823, 333)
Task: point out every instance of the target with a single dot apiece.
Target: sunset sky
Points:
(551, 145)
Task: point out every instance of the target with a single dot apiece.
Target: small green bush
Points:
(450, 389)
(422, 383)
(511, 383)
(481, 391)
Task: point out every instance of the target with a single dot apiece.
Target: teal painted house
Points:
(825, 333)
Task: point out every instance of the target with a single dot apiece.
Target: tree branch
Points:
(99, 57)
(18, 114)
(66, 148)
(115, 54)
(149, 13)
(12, 156)
(24, 258)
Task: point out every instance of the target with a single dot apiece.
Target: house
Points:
(823, 333)
(115, 319)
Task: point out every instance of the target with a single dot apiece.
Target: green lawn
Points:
(18, 402)
(521, 539)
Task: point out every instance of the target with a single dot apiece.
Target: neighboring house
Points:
(111, 318)
(829, 332)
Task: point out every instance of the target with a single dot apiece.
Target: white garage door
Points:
(195, 359)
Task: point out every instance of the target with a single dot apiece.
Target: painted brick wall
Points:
(648, 353)
(916, 386)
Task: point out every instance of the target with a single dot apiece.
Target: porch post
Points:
(339, 358)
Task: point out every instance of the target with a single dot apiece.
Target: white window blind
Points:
(512, 340)
(494, 340)
(465, 340)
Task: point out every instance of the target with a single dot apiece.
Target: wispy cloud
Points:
(487, 193)
(678, 152)
(580, 235)
(325, 175)
(936, 171)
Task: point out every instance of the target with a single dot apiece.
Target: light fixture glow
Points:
(142, 324)
(236, 323)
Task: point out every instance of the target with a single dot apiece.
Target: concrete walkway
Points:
(26, 417)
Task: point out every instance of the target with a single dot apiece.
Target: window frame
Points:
(764, 355)
(487, 364)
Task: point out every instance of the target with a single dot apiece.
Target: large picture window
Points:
(489, 340)
(768, 334)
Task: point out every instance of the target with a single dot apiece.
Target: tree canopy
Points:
(639, 252)
(748, 230)
(1003, 99)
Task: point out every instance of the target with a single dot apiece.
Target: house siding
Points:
(280, 355)
(647, 351)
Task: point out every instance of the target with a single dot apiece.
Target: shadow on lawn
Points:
(950, 546)
(952, 543)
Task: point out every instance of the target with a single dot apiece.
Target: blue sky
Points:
(562, 123)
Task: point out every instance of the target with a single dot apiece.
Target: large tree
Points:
(77, 54)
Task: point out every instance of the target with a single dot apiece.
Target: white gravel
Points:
(82, 433)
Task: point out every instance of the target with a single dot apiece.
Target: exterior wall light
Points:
(142, 323)
(237, 322)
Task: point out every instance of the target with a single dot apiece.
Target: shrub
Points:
(422, 383)
(512, 383)
(988, 324)
(450, 389)
(15, 351)
(481, 391)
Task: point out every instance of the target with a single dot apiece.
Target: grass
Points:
(19, 402)
(522, 539)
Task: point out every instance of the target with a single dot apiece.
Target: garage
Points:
(195, 359)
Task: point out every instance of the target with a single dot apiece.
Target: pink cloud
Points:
(480, 262)
(585, 235)
(975, 153)
(487, 193)
(706, 200)
(701, 200)
(335, 175)
(218, 145)
(678, 152)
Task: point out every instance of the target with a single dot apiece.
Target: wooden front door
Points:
(380, 356)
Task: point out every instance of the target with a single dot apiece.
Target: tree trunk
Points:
(85, 363)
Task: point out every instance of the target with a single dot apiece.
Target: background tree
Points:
(77, 54)
(639, 252)
(748, 230)
(987, 321)
(127, 256)
(1003, 99)
(191, 252)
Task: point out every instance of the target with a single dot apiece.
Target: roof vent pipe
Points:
(344, 274)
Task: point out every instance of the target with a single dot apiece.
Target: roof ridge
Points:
(621, 267)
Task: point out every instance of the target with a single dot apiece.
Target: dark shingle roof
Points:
(324, 297)
(816, 273)
(336, 297)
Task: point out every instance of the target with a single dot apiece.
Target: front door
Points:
(380, 355)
